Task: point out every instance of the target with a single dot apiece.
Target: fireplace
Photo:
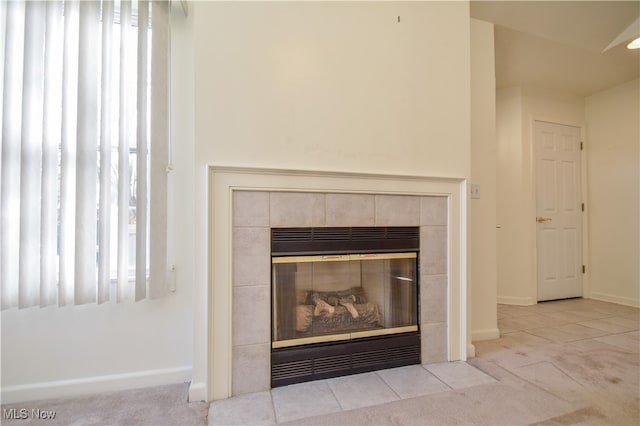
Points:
(246, 204)
(344, 301)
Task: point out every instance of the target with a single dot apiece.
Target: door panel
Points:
(548, 199)
(558, 209)
(570, 245)
(569, 188)
(550, 256)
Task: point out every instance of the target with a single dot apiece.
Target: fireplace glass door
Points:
(329, 298)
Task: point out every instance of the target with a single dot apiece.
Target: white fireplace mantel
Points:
(223, 181)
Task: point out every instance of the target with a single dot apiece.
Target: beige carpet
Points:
(162, 405)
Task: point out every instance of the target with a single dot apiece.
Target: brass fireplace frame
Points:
(353, 334)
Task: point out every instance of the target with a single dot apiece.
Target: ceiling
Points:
(573, 46)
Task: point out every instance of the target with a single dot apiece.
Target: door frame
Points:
(586, 287)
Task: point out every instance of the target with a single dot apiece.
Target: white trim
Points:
(620, 300)
(197, 391)
(514, 300)
(458, 273)
(533, 206)
(224, 180)
(485, 334)
(97, 384)
(471, 350)
(586, 284)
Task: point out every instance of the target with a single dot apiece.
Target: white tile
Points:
(633, 315)
(635, 335)
(612, 325)
(433, 299)
(615, 310)
(251, 256)
(621, 341)
(434, 211)
(554, 334)
(433, 341)
(433, 250)
(631, 323)
(397, 210)
(566, 316)
(250, 208)
(297, 209)
(459, 374)
(412, 381)
(588, 345)
(509, 358)
(251, 369)
(361, 390)
(304, 400)
(550, 378)
(251, 315)
(350, 210)
(251, 409)
(581, 331)
(589, 314)
(519, 339)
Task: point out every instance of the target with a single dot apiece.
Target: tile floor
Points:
(322, 397)
(575, 357)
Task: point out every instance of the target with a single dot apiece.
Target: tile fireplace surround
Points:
(246, 203)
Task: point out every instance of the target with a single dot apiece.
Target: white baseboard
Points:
(486, 334)
(92, 385)
(471, 351)
(627, 301)
(197, 392)
(521, 301)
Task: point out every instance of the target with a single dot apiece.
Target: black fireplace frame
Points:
(315, 361)
(344, 240)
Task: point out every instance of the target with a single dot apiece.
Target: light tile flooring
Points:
(574, 355)
(321, 397)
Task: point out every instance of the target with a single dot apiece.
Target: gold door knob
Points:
(541, 219)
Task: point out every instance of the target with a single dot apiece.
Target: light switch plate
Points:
(475, 190)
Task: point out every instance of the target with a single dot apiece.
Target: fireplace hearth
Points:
(344, 301)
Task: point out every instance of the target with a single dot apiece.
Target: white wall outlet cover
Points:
(475, 190)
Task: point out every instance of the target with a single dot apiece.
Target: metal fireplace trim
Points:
(343, 257)
(324, 361)
(342, 337)
(344, 240)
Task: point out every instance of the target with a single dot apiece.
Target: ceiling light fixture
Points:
(635, 44)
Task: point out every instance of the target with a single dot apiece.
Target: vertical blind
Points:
(85, 129)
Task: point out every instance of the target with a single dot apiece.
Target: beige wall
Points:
(613, 149)
(518, 108)
(482, 211)
(509, 192)
(334, 86)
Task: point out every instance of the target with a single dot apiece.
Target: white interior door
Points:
(559, 211)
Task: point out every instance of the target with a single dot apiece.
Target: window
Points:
(85, 128)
